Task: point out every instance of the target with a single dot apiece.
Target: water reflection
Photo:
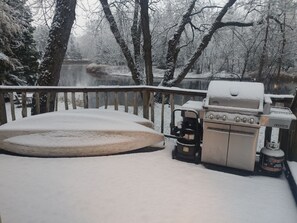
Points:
(76, 75)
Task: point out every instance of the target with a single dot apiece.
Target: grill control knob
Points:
(252, 120)
(211, 116)
(218, 116)
(237, 119)
(244, 119)
(224, 117)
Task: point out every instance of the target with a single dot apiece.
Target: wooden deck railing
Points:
(127, 96)
(105, 96)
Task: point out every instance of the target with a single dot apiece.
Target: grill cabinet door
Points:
(215, 143)
(242, 147)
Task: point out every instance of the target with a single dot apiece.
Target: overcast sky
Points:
(85, 9)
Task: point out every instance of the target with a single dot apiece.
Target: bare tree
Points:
(248, 44)
(147, 42)
(136, 74)
(173, 50)
(264, 49)
(136, 35)
(217, 24)
(283, 44)
(59, 33)
(57, 43)
(224, 50)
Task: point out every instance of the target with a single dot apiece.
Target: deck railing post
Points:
(162, 113)
(126, 102)
(24, 104)
(116, 101)
(145, 99)
(48, 102)
(37, 102)
(86, 99)
(135, 103)
(3, 116)
(12, 106)
(66, 100)
(152, 104)
(171, 98)
(97, 100)
(106, 100)
(73, 101)
(292, 153)
(288, 137)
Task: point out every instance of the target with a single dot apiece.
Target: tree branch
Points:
(279, 22)
(239, 24)
(205, 40)
(194, 27)
(198, 28)
(206, 7)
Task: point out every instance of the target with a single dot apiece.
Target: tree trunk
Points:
(56, 47)
(246, 59)
(136, 36)
(205, 41)
(147, 43)
(57, 43)
(136, 75)
(172, 52)
(281, 55)
(264, 49)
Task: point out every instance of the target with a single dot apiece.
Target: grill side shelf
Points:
(278, 117)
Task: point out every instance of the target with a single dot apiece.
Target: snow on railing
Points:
(99, 96)
(127, 96)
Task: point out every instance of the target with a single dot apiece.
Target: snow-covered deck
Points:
(136, 187)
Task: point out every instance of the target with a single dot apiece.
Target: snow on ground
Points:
(137, 187)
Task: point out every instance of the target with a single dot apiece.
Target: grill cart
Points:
(188, 132)
(232, 123)
(232, 115)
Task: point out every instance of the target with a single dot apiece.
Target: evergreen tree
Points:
(19, 55)
(8, 29)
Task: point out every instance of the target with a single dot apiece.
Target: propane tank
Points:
(272, 158)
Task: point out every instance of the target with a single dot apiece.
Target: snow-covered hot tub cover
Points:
(85, 132)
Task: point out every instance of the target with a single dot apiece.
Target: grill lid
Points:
(234, 95)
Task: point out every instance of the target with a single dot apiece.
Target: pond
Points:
(76, 75)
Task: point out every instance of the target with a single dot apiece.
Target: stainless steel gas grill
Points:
(231, 114)
(231, 123)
